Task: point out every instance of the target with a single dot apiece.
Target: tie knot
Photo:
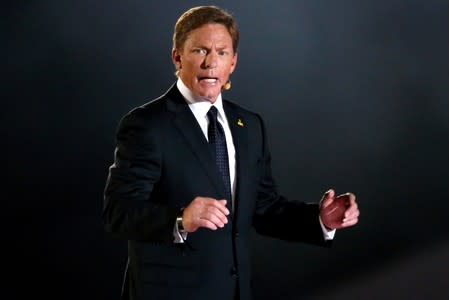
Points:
(212, 113)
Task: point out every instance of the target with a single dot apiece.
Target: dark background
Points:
(354, 95)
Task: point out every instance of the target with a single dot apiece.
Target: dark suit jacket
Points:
(162, 162)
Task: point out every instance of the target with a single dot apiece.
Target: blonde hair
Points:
(199, 16)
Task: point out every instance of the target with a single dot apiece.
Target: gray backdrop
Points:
(354, 95)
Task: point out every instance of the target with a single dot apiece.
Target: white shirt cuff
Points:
(179, 237)
(327, 234)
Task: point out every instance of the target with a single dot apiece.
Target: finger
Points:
(218, 213)
(343, 197)
(327, 198)
(347, 201)
(326, 203)
(351, 210)
(221, 205)
(350, 199)
(206, 224)
(211, 217)
(351, 215)
(350, 222)
(352, 206)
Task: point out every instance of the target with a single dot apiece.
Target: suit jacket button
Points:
(236, 235)
(234, 273)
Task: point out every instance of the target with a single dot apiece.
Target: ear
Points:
(176, 59)
(234, 62)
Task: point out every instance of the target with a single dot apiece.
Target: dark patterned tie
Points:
(217, 141)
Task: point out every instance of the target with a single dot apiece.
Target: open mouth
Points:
(208, 79)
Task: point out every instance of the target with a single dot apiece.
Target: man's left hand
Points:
(338, 211)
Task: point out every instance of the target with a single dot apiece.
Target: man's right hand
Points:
(205, 212)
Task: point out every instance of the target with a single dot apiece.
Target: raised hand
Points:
(338, 211)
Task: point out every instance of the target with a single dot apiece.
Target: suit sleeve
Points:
(277, 216)
(131, 210)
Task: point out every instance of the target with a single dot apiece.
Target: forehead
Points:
(210, 34)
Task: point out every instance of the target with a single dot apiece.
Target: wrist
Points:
(328, 228)
(324, 225)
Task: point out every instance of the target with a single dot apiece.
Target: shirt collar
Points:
(198, 105)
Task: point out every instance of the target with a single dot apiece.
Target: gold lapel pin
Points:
(240, 122)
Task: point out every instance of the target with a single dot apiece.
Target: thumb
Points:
(328, 198)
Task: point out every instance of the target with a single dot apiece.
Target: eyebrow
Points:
(220, 48)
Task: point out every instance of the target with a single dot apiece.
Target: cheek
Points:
(188, 64)
(231, 67)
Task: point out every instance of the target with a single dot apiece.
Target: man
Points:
(192, 177)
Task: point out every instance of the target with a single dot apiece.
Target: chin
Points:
(210, 95)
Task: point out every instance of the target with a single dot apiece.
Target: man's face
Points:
(206, 61)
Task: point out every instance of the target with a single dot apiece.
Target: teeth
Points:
(210, 80)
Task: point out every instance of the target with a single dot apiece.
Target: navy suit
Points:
(162, 162)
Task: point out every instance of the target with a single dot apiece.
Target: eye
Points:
(200, 51)
(222, 53)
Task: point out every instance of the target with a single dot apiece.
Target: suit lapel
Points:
(239, 135)
(189, 128)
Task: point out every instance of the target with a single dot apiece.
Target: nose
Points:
(210, 61)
